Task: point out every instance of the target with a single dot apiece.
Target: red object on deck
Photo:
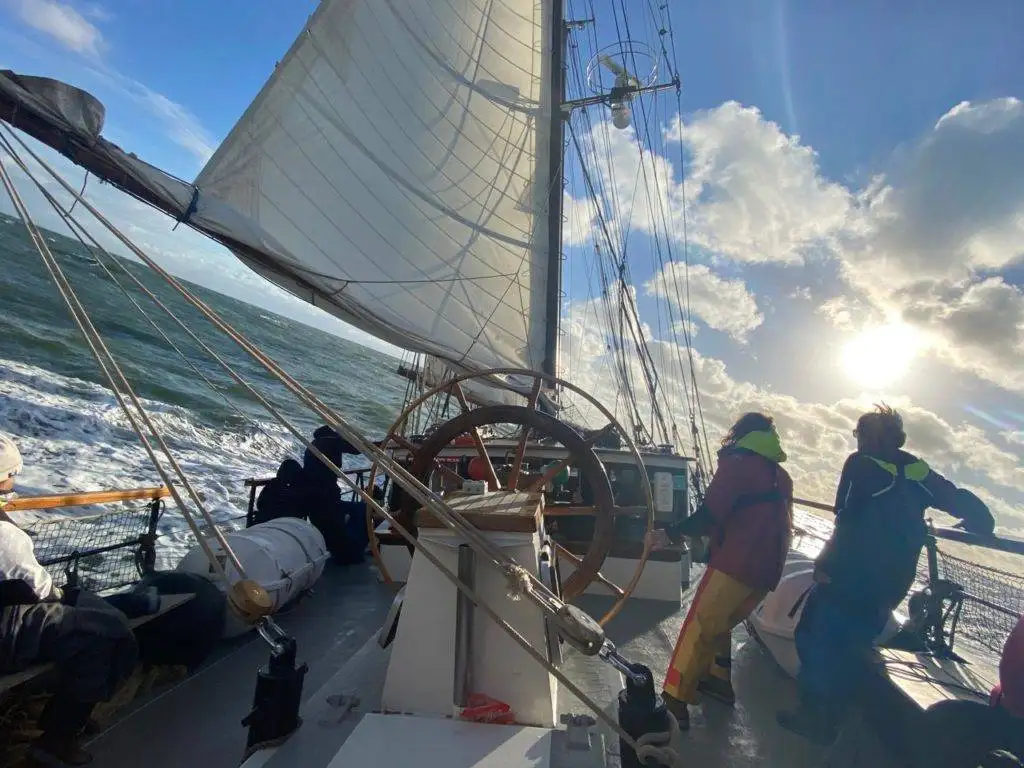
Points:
(483, 709)
(1010, 691)
(477, 470)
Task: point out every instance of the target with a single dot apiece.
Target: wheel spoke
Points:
(578, 561)
(481, 449)
(517, 462)
(438, 464)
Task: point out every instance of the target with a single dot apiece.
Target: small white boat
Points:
(774, 621)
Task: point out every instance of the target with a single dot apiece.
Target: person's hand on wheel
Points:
(658, 539)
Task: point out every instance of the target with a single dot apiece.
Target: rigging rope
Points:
(115, 377)
(96, 249)
(531, 585)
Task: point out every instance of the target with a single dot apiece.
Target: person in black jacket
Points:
(342, 523)
(867, 566)
(282, 496)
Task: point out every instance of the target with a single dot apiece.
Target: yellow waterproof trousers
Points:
(719, 604)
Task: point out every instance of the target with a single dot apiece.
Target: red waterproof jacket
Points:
(1010, 692)
(750, 500)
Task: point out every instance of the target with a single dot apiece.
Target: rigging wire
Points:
(530, 584)
(117, 380)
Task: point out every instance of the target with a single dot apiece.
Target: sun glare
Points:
(879, 357)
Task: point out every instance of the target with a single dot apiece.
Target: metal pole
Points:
(555, 181)
(464, 629)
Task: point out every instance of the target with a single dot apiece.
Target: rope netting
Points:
(994, 598)
(108, 549)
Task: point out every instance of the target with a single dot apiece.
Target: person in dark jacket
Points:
(867, 566)
(282, 496)
(748, 511)
(342, 523)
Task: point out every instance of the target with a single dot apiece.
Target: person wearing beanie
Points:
(89, 641)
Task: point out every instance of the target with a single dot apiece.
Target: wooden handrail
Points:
(55, 501)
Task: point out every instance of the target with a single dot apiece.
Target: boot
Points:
(717, 688)
(58, 752)
(811, 724)
(678, 709)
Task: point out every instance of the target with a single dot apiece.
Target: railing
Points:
(254, 484)
(83, 550)
(962, 595)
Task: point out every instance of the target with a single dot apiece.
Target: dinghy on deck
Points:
(774, 621)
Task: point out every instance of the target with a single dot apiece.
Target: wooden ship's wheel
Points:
(534, 433)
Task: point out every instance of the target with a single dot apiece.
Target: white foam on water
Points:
(73, 437)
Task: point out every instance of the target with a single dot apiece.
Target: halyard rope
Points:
(537, 590)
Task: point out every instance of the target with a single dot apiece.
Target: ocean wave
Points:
(74, 437)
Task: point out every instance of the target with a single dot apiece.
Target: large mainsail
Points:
(396, 162)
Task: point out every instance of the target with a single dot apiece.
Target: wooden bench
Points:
(926, 680)
(167, 603)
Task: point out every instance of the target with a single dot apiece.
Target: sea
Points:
(74, 437)
(72, 433)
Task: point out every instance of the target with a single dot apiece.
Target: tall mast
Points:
(555, 180)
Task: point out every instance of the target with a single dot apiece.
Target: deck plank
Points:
(926, 680)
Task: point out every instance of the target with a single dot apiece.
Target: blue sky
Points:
(850, 166)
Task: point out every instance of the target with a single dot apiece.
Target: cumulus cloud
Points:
(933, 234)
(751, 193)
(63, 23)
(757, 194)
(817, 436)
(723, 304)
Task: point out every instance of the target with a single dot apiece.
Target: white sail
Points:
(395, 169)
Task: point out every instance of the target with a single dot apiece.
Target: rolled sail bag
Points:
(285, 556)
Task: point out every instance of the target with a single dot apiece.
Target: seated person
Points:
(282, 496)
(89, 641)
(960, 733)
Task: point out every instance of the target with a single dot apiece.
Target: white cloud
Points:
(63, 23)
(723, 304)
(182, 126)
(752, 193)
(817, 436)
(173, 119)
(755, 192)
(932, 230)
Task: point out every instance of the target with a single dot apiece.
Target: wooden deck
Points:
(926, 680)
(509, 511)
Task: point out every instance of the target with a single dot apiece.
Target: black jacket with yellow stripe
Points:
(872, 557)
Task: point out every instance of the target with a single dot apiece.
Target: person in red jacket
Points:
(748, 512)
(960, 733)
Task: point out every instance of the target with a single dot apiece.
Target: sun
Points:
(879, 357)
